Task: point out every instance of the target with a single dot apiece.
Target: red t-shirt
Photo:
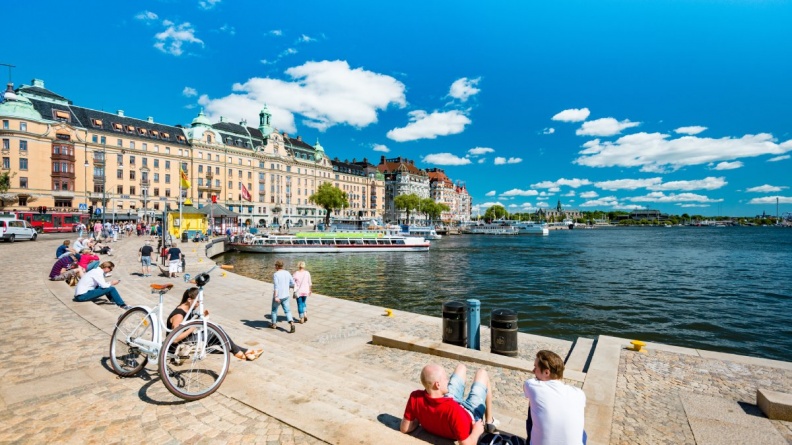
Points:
(443, 416)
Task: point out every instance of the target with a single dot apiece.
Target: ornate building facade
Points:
(131, 167)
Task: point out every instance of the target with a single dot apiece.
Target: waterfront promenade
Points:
(341, 378)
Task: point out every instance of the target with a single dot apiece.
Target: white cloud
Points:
(549, 130)
(445, 159)
(771, 200)
(778, 158)
(572, 115)
(490, 193)
(228, 29)
(325, 94)
(571, 193)
(275, 32)
(654, 152)
(428, 126)
(681, 197)
(305, 39)
(266, 62)
(693, 205)
(189, 92)
(174, 37)
(382, 148)
(607, 126)
(208, 4)
(482, 160)
(766, 188)
(485, 205)
(542, 205)
(628, 207)
(554, 189)
(589, 195)
(708, 183)
(628, 184)
(463, 88)
(146, 16)
(728, 165)
(518, 192)
(287, 52)
(513, 206)
(693, 129)
(574, 183)
(501, 161)
(480, 151)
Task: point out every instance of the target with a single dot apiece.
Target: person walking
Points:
(281, 282)
(303, 288)
(174, 258)
(144, 256)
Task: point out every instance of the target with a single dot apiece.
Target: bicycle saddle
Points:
(161, 286)
(201, 279)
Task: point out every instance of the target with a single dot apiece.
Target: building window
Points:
(132, 145)
(96, 122)
(120, 143)
(7, 162)
(145, 146)
(23, 163)
(131, 174)
(95, 139)
(23, 145)
(184, 166)
(145, 162)
(167, 165)
(6, 124)
(156, 191)
(23, 184)
(6, 144)
(156, 163)
(119, 174)
(200, 168)
(167, 178)
(103, 140)
(167, 193)
(217, 170)
(132, 190)
(120, 189)
(230, 185)
(156, 177)
(131, 160)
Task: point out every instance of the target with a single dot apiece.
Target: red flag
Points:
(246, 193)
(214, 198)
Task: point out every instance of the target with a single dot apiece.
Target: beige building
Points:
(455, 196)
(67, 157)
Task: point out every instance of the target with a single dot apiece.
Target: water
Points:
(722, 289)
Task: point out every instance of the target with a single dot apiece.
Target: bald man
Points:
(442, 409)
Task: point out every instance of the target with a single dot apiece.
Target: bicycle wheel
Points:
(196, 366)
(126, 359)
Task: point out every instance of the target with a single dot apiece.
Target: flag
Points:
(246, 193)
(185, 183)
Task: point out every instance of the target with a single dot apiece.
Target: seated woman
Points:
(88, 260)
(177, 316)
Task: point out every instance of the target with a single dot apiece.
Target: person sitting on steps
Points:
(442, 409)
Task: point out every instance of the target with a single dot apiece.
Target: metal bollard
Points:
(474, 324)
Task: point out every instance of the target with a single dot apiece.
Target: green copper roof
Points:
(201, 120)
(17, 106)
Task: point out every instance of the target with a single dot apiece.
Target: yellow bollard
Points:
(200, 260)
(389, 312)
(637, 346)
(223, 274)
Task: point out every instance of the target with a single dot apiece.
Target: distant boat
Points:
(425, 232)
(531, 228)
(491, 229)
(331, 242)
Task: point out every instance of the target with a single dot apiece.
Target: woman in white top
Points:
(303, 287)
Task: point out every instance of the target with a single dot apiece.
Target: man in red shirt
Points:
(442, 409)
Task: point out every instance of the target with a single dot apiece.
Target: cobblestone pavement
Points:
(44, 340)
(648, 407)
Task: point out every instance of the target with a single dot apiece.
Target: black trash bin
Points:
(503, 331)
(455, 323)
(185, 237)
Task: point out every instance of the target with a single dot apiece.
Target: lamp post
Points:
(104, 181)
(144, 185)
(85, 170)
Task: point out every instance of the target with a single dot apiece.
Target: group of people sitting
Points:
(555, 413)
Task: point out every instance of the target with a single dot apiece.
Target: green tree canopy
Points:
(330, 198)
(433, 209)
(408, 203)
(495, 212)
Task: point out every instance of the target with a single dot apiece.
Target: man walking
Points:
(281, 282)
(557, 410)
(144, 255)
(175, 259)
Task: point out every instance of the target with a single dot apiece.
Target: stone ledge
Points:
(776, 405)
(410, 343)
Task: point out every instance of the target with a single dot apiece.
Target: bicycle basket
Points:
(201, 279)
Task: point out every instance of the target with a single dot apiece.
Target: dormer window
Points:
(96, 122)
(61, 115)
(165, 136)
(154, 133)
(181, 139)
(142, 131)
(130, 128)
(117, 126)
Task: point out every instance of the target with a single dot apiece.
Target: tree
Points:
(5, 184)
(407, 203)
(330, 198)
(495, 212)
(432, 209)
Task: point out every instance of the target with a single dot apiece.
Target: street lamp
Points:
(144, 185)
(104, 181)
(85, 169)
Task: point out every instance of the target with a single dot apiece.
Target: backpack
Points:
(500, 439)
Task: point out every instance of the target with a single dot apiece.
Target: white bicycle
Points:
(192, 368)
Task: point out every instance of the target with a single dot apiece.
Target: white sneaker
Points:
(492, 427)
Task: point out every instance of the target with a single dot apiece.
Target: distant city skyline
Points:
(681, 107)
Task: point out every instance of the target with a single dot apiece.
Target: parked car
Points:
(12, 229)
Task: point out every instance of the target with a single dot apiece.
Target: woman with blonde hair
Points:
(303, 288)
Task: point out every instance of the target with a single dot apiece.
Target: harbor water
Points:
(724, 289)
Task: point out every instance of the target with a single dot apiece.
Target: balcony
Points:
(145, 183)
(62, 194)
(62, 157)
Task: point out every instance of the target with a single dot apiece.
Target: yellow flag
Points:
(185, 184)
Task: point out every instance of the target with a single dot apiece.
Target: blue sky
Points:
(681, 106)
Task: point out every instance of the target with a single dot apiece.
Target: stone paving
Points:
(55, 385)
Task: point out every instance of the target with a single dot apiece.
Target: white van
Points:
(12, 229)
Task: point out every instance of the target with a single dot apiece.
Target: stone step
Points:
(580, 355)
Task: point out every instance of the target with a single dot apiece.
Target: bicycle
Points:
(191, 368)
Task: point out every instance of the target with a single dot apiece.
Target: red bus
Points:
(54, 221)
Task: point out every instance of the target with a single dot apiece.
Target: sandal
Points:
(252, 355)
(240, 355)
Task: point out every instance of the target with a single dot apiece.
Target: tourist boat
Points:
(331, 242)
(491, 229)
(427, 233)
(531, 228)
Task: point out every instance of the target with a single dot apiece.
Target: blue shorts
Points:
(146, 261)
(476, 399)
